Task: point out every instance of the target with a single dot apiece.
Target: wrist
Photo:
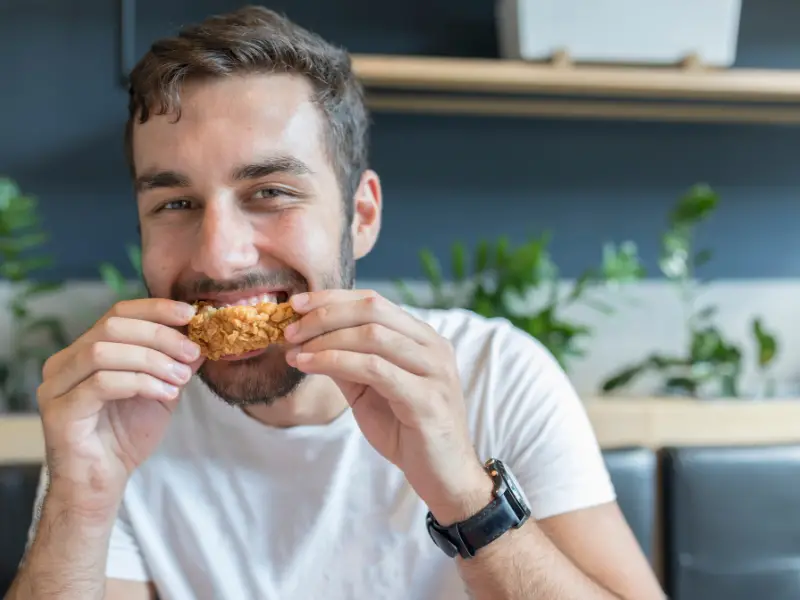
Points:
(82, 508)
(461, 502)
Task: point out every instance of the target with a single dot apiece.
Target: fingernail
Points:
(291, 329)
(190, 350)
(188, 310)
(170, 391)
(291, 354)
(181, 371)
(299, 300)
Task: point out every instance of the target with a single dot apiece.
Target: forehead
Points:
(232, 120)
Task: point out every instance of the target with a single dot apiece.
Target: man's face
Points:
(239, 202)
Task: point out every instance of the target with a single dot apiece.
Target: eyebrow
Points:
(264, 168)
(161, 179)
(277, 164)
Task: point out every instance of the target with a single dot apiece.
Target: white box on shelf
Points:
(620, 31)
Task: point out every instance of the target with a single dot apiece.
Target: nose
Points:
(225, 246)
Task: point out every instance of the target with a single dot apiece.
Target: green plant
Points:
(34, 338)
(123, 288)
(712, 363)
(522, 284)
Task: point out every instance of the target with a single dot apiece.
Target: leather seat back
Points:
(634, 475)
(732, 523)
(17, 495)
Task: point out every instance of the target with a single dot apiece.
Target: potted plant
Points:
(33, 337)
(711, 365)
(610, 31)
(122, 288)
(521, 284)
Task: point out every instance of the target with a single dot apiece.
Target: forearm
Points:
(525, 564)
(67, 558)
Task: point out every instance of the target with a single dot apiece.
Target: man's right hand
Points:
(107, 399)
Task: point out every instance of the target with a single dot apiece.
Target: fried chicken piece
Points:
(235, 330)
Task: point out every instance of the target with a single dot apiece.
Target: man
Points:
(348, 463)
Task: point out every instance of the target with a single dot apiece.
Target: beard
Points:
(266, 378)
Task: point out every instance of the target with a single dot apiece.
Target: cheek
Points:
(311, 243)
(162, 263)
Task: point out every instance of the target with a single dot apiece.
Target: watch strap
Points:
(489, 524)
(469, 536)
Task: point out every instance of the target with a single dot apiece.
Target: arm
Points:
(589, 554)
(105, 403)
(577, 543)
(67, 558)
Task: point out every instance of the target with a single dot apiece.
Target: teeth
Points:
(253, 300)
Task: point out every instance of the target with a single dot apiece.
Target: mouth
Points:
(246, 298)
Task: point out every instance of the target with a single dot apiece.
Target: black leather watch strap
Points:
(509, 509)
(489, 524)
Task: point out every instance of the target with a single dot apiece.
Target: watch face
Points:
(516, 489)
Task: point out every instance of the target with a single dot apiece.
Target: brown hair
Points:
(254, 39)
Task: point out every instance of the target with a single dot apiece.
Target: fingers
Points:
(88, 397)
(386, 379)
(114, 356)
(136, 336)
(304, 303)
(371, 339)
(156, 310)
(125, 330)
(326, 311)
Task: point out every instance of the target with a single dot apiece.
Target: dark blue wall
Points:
(62, 110)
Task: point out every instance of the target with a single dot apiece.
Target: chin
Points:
(258, 378)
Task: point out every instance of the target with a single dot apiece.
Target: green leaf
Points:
(694, 206)
(482, 257)
(459, 260)
(113, 279)
(767, 344)
(702, 258)
(22, 243)
(431, 268)
(8, 192)
(621, 264)
(5, 372)
(706, 313)
(406, 295)
(681, 385)
(135, 258)
(624, 377)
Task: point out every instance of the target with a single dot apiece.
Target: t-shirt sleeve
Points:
(544, 432)
(125, 560)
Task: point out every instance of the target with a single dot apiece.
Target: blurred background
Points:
(616, 178)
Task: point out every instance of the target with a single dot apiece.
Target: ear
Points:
(367, 214)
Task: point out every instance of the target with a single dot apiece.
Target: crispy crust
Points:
(237, 329)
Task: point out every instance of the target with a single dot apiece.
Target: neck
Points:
(317, 401)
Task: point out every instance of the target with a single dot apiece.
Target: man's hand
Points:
(400, 378)
(106, 400)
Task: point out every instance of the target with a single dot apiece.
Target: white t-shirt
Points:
(228, 508)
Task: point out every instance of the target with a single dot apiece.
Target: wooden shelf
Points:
(518, 88)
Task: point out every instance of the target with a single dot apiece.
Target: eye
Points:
(269, 193)
(181, 204)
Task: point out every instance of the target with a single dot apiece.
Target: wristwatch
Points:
(508, 510)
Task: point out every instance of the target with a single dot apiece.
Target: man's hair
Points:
(254, 39)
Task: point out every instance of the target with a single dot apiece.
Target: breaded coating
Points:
(235, 330)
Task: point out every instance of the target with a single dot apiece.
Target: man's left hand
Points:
(400, 378)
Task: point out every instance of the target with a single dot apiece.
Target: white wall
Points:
(650, 320)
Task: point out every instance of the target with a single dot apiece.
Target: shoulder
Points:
(522, 407)
(484, 344)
